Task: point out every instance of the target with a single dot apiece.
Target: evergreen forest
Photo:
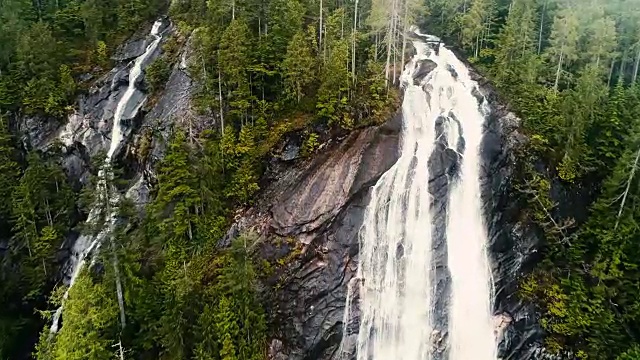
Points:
(163, 286)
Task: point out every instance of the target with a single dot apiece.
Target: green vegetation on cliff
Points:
(570, 70)
(46, 44)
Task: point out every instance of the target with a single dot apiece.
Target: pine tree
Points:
(602, 42)
(285, 21)
(244, 182)
(582, 106)
(632, 354)
(90, 322)
(334, 88)
(25, 231)
(173, 225)
(227, 329)
(9, 170)
(297, 67)
(207, 345)
(563, 47)
(234, 60)
(474, 23)
(239, 319)
(177, 188)
(610, 131)
(515, 45)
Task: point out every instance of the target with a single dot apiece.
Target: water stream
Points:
(87, 244)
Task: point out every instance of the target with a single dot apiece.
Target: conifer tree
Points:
(285, 21)
(9, 170)
(297, 67)
(474, 23)
(602, 42)
(564, 38)
(515, 44)
(234, 61)
(334, 88)
(90, 321)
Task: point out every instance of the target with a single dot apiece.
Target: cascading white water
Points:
(396, 260)
(87, 244)
(134, 76)
(471, 330)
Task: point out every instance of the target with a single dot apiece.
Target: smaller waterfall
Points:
(350, 323)
(134, 76)
(87, 244)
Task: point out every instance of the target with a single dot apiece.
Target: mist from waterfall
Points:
(397, 261)
(87, 244)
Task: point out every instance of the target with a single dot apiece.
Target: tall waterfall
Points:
(87, 244)
(400, 318)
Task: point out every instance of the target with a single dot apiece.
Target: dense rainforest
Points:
(569, 68)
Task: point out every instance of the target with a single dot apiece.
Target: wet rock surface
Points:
(319, 204)
(513, 241)
(331, 180)
(175, 106)
(87, 131)
(137, 44)
(424, 67)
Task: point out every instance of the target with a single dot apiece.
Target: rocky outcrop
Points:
(513, 241)
(88, 130)
(328, 185)
(320, 204)
(175, 106)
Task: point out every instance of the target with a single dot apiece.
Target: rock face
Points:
(175, 106)
(513, 243)
(88, 130)
(321, 204)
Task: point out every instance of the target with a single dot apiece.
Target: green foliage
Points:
(285, 22)
(298, 65)
(90, 323)
(37, 212)
(631, 354)
(9, 170)
(184, 295)
(334, 90)
(43, 47)
(234, 61)
(157, 73)
(310, 144)
(101, 53)
(475, 22)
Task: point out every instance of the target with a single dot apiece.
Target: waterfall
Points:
(87, 244)
(406, 244)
